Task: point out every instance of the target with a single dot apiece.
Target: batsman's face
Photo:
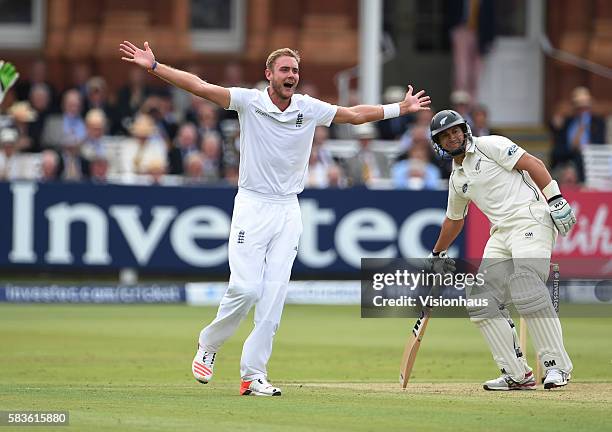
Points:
(284, 77)
(452, 138)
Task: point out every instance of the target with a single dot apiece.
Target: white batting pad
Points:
(532, 301)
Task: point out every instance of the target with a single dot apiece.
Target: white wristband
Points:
(391, 111)
(551, 190)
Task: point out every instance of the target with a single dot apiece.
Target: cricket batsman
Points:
(8, 77)
(526, 210)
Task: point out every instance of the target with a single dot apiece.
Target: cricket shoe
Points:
(556, 378)
(203, 364)
(258, 387)
(505, 383)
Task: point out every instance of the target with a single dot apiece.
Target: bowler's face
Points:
(284, 77)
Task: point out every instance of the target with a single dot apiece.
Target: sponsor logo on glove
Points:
(562, 215)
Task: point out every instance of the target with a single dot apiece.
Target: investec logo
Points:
(186, 230)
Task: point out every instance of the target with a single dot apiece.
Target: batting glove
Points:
(440, 262)
(562, 214)
(8, 77)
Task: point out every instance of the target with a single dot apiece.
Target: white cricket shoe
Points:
(505, 383)
(258, 387)
(556, 378)
(203, 364)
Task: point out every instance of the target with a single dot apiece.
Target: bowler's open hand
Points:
(144, 58)
(416, 102)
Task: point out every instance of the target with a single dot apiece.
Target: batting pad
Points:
(532, 301)
(529, 294)
(500, 335)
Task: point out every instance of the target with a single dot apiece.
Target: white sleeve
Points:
(323, 112)
(502, 150)
(239, 98)
(457, 206)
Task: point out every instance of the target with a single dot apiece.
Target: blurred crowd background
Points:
(130, 128)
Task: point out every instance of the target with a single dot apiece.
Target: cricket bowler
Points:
(526, 210)
(276, 131)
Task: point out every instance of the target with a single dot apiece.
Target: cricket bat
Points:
(413, 345)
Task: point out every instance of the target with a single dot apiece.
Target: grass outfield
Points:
(118, 368)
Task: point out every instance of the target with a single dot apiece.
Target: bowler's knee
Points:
(244, 291)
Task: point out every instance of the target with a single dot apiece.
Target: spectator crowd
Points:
(145, 135)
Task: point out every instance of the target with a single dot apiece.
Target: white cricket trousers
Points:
(263, 244)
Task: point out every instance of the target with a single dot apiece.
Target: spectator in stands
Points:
(212, 158)
(320, 137)
(230, 132)
(156, 170)
(49, 165)
(72, 167)
(147, 146)
(155, 108)
(159, 107)
(418, 131)
(192, 112)
(416, 172)
(208, 119)
(194, 169)
(40, 100)
(94, 143)
(23, 115)
(97, 98)
(37, 75)
(68, 125)
(392, 129)
(366, 166)
(461, 102)
(98, 169)
(130, 99)
(9, 164)
(578, 131)
(81, 73)
(568, 176)
(231, 175)
(185, 143)
(320, 160)
(480, 122)
(336, 178)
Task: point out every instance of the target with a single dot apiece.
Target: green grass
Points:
(119, 368)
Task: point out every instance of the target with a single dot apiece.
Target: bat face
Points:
(412, 346)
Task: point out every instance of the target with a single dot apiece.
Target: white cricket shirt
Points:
(275, 145)
(488, 178)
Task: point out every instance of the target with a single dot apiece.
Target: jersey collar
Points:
(471, 146)
(271, 108)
